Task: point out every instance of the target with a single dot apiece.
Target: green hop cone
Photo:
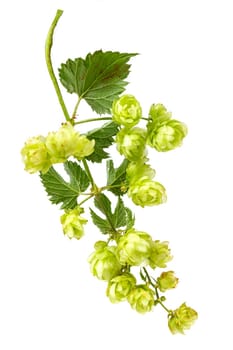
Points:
(182, 319)
(131, 143)
(104, 263)
(35, 155)
(158, 114)
(120, 286)
(139, 170)
(146, 192)
(72, 223)
(141, 299)
(67, 142)
(134, 248)
(126, 111)
(160, 255)
(168, 136)
(84, 147)
(167, 280)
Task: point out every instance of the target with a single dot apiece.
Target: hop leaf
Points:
(103, 138)
(60, 191)
(99, 78)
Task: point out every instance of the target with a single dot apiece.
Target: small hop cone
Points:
(72, 223)
(138, 171)
(120, 286)
(167, 280)
(67, 142)
(131, 143)
(168, 136)
(35, 155)
(104, 263)
(158, 114)
(181, 319)
(141, 299)
(146, 192)
(160, 255)
(134, 248)
(126, 111)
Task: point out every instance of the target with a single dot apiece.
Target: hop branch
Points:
(99, 79)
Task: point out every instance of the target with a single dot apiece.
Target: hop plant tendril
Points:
(99, 79)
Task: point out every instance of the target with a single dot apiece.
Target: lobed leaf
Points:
(99, 78)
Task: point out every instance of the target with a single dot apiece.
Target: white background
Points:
(48, 298)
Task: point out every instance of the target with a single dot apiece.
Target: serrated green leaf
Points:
(130, 218)
(119, 215)
(99, 78)
(116, 177)
(103, 203)
(60, 191)
(101, 223)
(78, 177)
(103, 139)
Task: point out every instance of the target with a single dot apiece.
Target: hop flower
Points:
(67, 142)
(126, 111)
(158, 114)
(146, 192)
(167, 280)
(141, 298)
(72, 223)
(131, 143)
(104, 263)
(35, 155)
(168, 136)
(139, 170)
(160, 254)
(120, 286)
(182, 319)
(84, 147)
(134, 248)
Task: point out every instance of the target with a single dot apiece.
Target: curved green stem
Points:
(76, 108)
(165, 308)
(48, 47)
(92, 120)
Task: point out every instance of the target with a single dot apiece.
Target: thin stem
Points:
(86, 199)
(48, 47)
(86, 167)
(165, 308)
(76, 108)
(92, 120)
(148, 277)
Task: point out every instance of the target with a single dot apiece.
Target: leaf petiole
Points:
(92, 120)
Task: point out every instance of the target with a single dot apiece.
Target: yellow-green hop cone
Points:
(126, 111)
(84, 147)
(134, 248)
(131, 143)
(168, 136)
(67, 142)
(104, 263)
(139, 170)
(146, 192)
(158, 114)
(167, 280)
(72, 223)
(141, 299)
(182, 319)
(35, 155)
(120, 286)
(160, 254)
